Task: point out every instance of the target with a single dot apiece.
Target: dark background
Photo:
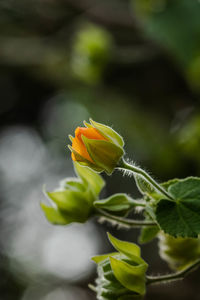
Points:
(133, 65)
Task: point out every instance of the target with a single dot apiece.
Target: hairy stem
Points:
(126, 166)
(124, 221)
(173, 276)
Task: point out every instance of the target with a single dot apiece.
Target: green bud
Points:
(121, 275)
(91, 50)
(178, 252)
(73, 200)
(109, 133)
(118, 204)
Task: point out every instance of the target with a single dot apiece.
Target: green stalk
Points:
(174, 276)
(123, 221)
(136, 170)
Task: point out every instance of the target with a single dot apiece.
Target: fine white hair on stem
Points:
(138, 209)
(113, 223)
(131, 173)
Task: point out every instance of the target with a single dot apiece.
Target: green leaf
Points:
(181, 217)
(170, 182)
(165, 22)
(177, 219)
(148, 234)
(132, 277)
(104, 154)
(87, 175)
(115, 203)
(53, 215)
(131, 250)
(188, 188)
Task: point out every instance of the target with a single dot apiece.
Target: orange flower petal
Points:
(73, 157)
(90, 133)
(79, 147)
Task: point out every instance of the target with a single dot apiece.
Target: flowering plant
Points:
(171, 212)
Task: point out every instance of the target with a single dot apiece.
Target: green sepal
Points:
(83, 161)
(143, 186)
(104, 154)
(118, 204)
(99, 258)
(132, 277)
(130, 250)
(75, 205)
(71, 137)
(54, 216)
(113, 286)
(121, 275)
(107, 294)
(88, 125)
(108, 133)
(95, 181)
(74, 198)
(108, 286)
(148, 233)
(73, 184)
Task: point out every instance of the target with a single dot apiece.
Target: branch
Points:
(124, 221)
(174, 276)
(136, 170)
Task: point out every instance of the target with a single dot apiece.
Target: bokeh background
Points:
(134, 65)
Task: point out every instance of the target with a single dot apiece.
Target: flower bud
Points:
(121, 275)
(91, 52)
(178, 252)
(73, 200)
(118, 204)
(97, 146)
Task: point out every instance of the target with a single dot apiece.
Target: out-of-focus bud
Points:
(117, 204)
(91, 51)
(121, 275)
(73, 201)
(97, 146)
(178, 252)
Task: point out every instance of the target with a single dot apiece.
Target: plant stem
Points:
(173, 276)
(126, 166)
(123, 221)
(138, 202)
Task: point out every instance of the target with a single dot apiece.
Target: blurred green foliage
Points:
(90, 53)
(179, 252)
(176, 26)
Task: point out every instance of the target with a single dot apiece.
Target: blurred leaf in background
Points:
(176, 26)
(90, 52)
